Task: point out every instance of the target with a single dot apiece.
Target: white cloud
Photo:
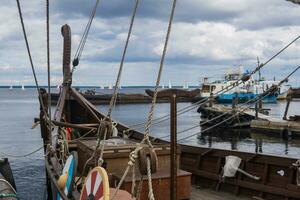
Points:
(206, 36)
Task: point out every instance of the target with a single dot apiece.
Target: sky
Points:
(208, 38)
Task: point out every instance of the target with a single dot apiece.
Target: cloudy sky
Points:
(208, 37)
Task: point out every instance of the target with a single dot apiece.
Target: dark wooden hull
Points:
(295, 93)
(98, 99)
(205, 164)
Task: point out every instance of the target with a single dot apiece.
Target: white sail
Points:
(185, 85)
(170, 85)
(23, 87)
(11, 87)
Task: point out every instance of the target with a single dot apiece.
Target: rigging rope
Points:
(31, 61)
(217, 117)
(48, 67)
(150, 115)
(82, 42)
(242, 110)
(22, 155)
(117, 84)
(134, 153)
(150, 194)
(225, 89)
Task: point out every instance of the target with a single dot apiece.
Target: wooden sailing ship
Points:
(75, 153)
(90, 156)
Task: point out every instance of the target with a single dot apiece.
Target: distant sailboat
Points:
(163, 86)
(23, 87)
(110, 87)
(185, 85)
(101, 87)
(11, 87)
(170, 85)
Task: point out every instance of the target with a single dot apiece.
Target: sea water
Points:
(19, 108)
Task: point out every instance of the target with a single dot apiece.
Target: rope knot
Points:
(132, 158)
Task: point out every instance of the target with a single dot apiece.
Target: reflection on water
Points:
(261, 142)
(18, 108)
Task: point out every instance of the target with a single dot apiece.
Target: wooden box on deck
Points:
(116, 154)
(160, 184)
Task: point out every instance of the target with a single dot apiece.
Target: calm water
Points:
(18, 109)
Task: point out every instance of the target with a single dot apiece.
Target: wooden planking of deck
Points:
(207, 194)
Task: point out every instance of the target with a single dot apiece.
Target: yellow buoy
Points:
(62, 180)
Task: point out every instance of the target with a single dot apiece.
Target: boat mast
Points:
(259, 74)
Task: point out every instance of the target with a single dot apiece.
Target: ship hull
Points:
(244, 97)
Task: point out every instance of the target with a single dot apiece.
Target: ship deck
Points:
(207, 194)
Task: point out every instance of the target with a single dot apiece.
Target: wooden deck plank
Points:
(206, 194)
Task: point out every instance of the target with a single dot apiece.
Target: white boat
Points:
(244, 92)
(23, 87)
(11, 87)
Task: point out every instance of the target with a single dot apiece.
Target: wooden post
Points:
(210, 99)
(45, 132)
(234, 102)
(173, 94)
(256, 110)
(287, 107)
(260, 105)
(173, 166)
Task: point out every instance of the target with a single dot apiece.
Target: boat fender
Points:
(142, 159)
(62, 180)
(68, 133)
(96, 185)
(67, 179)
(114, 131)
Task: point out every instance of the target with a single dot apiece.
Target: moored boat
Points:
(8, 189)
(244, 92)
